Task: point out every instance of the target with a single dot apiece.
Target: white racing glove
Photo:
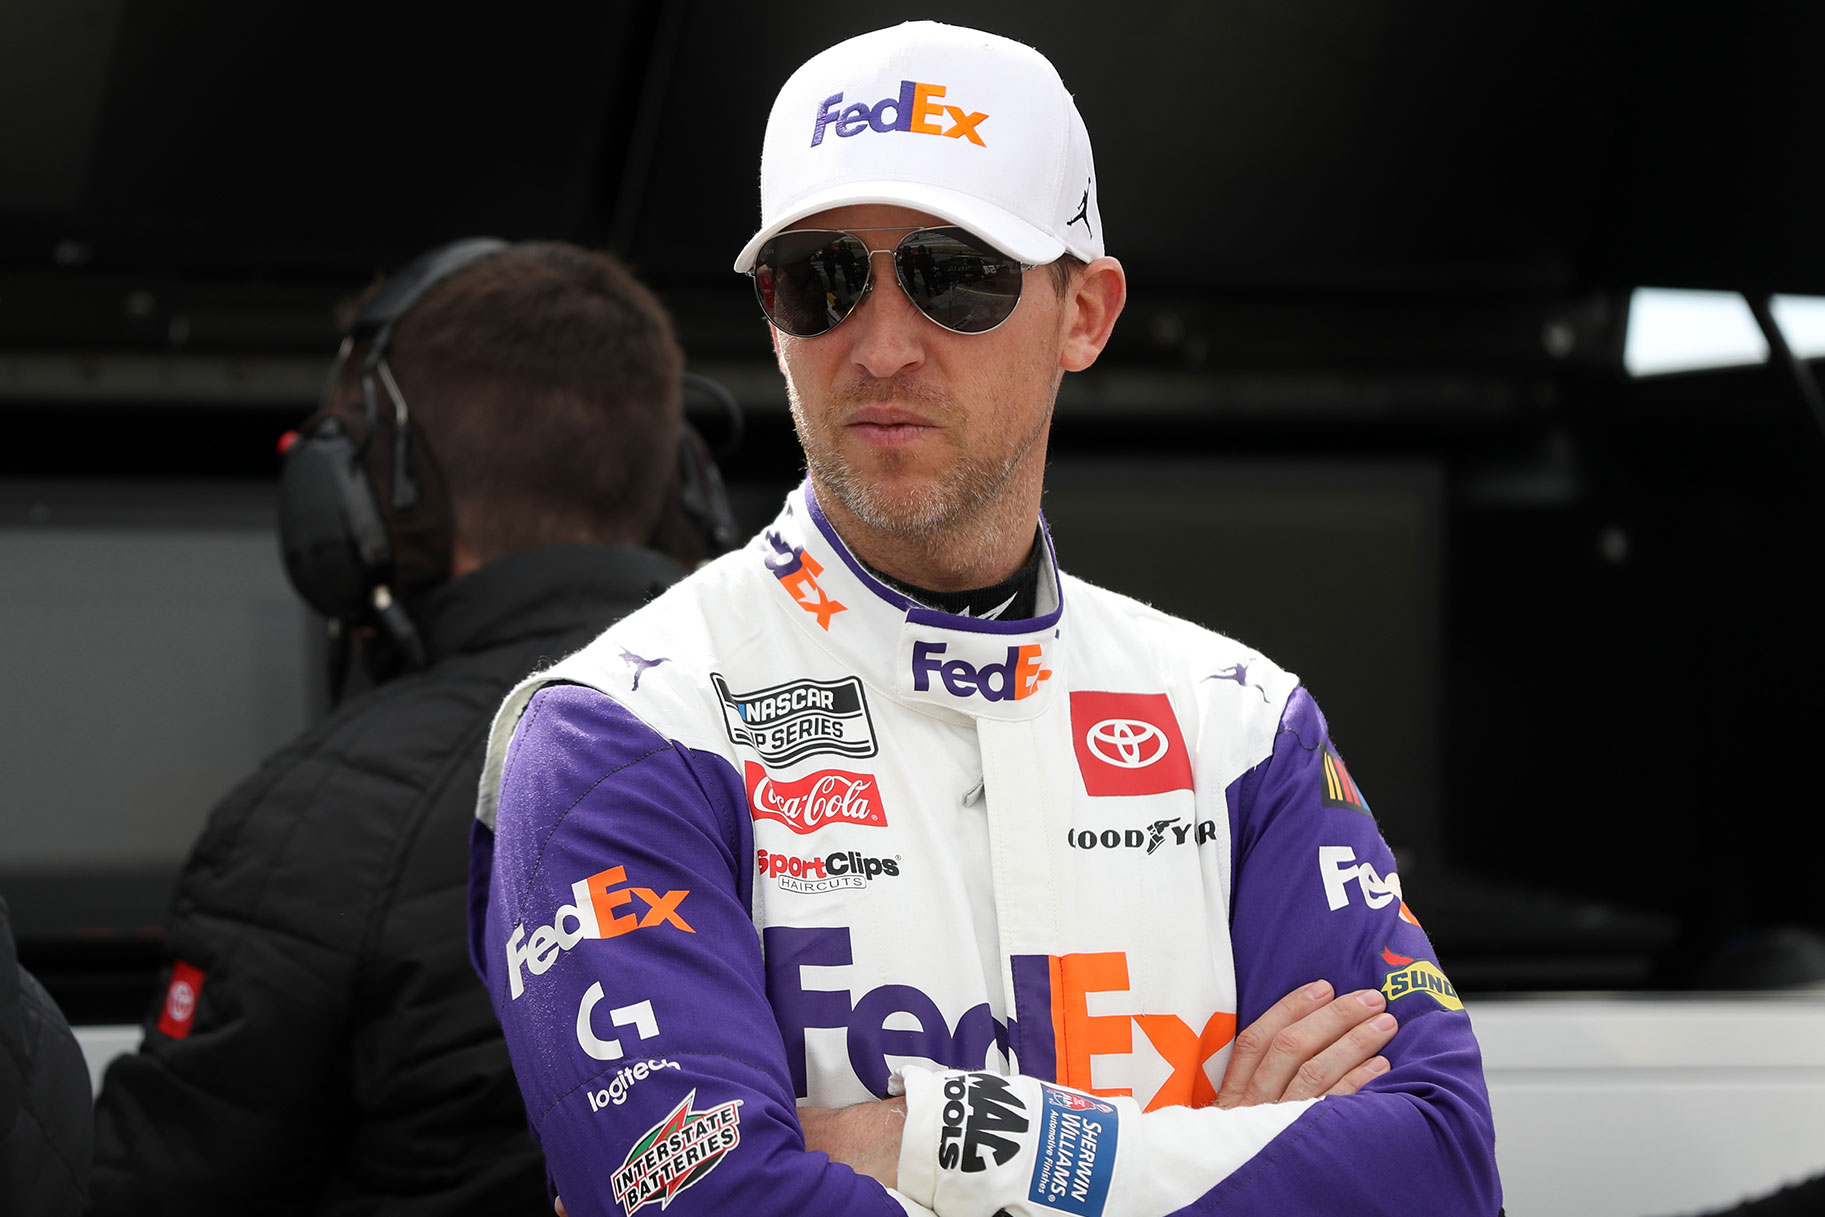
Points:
(982, 1143)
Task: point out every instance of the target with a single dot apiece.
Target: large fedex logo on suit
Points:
(1053, 1032)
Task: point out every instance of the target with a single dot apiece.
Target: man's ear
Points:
(462, 559)
(1095, 301)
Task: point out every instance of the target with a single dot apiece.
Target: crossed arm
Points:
(1310, 1043)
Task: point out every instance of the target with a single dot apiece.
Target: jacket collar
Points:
(539, 591)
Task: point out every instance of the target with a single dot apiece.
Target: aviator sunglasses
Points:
(809, 279)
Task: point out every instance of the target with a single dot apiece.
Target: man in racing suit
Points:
(882, 866)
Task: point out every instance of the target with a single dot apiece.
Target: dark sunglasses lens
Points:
(809, 280)
(958, 281)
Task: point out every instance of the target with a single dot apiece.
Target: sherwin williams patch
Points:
(1076, 1153)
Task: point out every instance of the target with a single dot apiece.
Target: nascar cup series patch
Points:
(800, 718)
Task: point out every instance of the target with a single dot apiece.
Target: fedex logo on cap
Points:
(915, 110)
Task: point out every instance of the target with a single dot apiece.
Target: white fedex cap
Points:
(971, 127)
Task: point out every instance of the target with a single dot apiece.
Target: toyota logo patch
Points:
(1126, 743)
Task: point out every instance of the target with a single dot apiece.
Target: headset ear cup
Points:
(331, 535)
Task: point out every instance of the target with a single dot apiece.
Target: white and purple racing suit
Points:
(785, 836)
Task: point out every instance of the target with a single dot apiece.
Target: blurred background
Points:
(1386, 404)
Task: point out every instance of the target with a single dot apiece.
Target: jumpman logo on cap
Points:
(1083, 213)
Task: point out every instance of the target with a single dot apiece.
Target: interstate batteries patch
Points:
(676, 1153)
(800, 718)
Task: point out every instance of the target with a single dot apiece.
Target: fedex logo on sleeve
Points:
(1338, 867)
(915, 110)
(603, 907)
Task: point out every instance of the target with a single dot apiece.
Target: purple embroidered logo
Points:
(1018, 678)
(639, 665)
(1239, 673)
(915, 110)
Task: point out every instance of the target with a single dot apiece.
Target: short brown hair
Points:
(1063, 268)
(547, 382)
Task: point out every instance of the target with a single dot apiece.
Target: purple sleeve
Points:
(1314, 898)
(625, 968)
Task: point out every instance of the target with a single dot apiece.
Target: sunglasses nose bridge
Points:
(872, 278)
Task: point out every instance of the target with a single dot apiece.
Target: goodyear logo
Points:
(1417, 976)
(915, 110)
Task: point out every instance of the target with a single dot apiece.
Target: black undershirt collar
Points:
(1013, 599)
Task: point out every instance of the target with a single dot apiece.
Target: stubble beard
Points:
(955, 510)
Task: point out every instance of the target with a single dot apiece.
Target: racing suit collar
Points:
(1002, 669)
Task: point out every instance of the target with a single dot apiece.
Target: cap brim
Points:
(1000, 228)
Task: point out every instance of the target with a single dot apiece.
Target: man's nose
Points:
(888, 335)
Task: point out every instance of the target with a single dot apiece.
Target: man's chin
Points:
(899, 507)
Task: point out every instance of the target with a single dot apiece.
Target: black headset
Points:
(336, 536)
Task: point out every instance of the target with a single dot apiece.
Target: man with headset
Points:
(500, 448)
(917, 875)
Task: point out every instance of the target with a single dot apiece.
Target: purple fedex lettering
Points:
(853, 119)
(785, 558)
(916, 109)
(790, 949)
(1013, 680)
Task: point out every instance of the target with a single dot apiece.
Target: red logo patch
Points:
(827, 796)
(1128, 743)
(179, 1012)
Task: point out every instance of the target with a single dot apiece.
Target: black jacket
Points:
(340, 1055)
(44, 1097)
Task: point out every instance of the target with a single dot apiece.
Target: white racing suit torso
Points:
(784, 837)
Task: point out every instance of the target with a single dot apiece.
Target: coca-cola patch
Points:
(829, 796)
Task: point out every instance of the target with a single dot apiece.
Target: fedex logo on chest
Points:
(1016, 677)
(1053, 1031)
(915, 110)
